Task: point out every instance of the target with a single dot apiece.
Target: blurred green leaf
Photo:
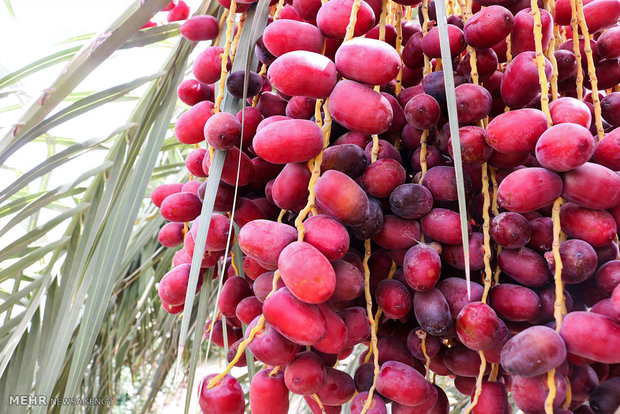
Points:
(90, 57)
(38, 65)
(9, 8)
(83, 105)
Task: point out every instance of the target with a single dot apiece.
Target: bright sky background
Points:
(38, 30)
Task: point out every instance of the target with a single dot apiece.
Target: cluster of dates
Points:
(350, 128)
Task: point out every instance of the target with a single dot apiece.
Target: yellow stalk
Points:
(427, 62)
(230, 24)
(508, 50)
(352, 21)
(569, 394)
(241, 349)
(485, 229)
(558, 306)
(221, 27)
(423, 147)
(552, 391)
(598, 119)
(237, 36)
(380, 311)
(318, 401)
(420, 333)
(399, 43)
(576, 49)
(494, 372)
(483, 367)
(540, 61)
(371, 319)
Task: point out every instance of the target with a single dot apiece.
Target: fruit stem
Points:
(408, 13)
(316, 166)
(487, 273)
(427, 364)
(508, 50)
(276, 14)
(352, 20)
(550, 53)
(373, 325)
(237, 37)
(375, 138)
(230, 24)
(600, 132)
(576, 48)
(473, 64)
(217, 317)
(382, 18)
(380, 311)
(427, 62)
(281, 215)
(318, 401)
(569, 394)
(495, 210)
(399, 43)
(232, 262)
(263, 68)
(540, 61)
(221, 26)
(494, 206)
(274, 371)
(423, 147)
(494, 372)
(485, 229)
(241, 349)
(552, 391)
(483, 367)
(558, 306)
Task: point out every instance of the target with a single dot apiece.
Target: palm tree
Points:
(79, 263)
